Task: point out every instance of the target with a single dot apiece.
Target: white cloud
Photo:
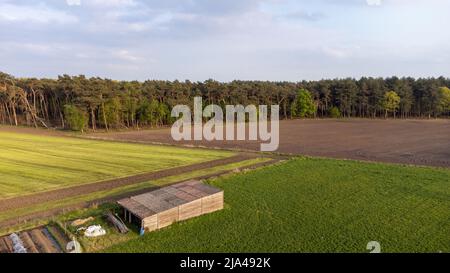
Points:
(338, 53)
(36, 49)
(73, 2)
(374, 2)
(34, 14)
(103, 3)
(112, 3)
(126, 55)
(224, 39)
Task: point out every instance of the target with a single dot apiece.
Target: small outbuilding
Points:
(162, 207)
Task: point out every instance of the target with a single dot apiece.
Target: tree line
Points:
(80, 103)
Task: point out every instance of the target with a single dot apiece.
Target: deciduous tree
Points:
(391, 102)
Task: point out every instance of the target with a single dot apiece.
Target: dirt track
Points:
(418, 142)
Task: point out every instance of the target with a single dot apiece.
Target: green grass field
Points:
(31, 163)
(317, 205)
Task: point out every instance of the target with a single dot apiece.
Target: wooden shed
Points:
(162, 207)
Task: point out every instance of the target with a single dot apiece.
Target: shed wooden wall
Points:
(205, 205)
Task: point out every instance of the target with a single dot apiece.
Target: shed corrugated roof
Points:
(151, 203)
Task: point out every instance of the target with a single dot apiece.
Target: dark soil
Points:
(417, 142)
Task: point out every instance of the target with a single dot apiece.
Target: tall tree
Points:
(391, 103)
(444, 100)
(304, 106)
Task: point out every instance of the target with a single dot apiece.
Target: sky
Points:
(225, 40)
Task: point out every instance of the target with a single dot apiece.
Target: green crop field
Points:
(318, 205)
(32, 163)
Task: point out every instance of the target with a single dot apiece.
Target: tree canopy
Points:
(105, 103)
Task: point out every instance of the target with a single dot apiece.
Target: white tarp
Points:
(94, 231)
(17, 244)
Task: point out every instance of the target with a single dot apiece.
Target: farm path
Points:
(37, 198)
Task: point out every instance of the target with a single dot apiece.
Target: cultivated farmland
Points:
(39, 240)
(417, 142)
(37, 163)
(309, 204)
(46, 173)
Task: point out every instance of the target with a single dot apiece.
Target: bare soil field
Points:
(417, 142)
(34, 131)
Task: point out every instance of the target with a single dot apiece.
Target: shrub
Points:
(335, 112)
(76, 118)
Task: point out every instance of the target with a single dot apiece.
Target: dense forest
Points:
(79, 103)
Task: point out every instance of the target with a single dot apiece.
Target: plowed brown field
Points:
(418, 142)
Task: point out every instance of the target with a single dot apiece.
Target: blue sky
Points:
(225, 39)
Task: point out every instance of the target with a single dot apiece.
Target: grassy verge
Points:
(317, 205)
